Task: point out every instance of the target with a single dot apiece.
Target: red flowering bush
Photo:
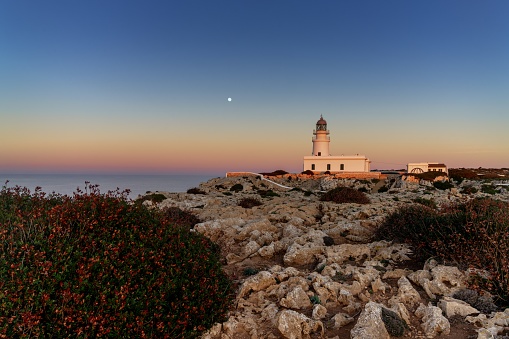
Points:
(178, 217)
(97, 265)
(342, 195)
(474, 234)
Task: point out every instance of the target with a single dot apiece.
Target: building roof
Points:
(436, 165)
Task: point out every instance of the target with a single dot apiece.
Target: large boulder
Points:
(298, 255)
(294, 325)
(257, 282)
(370, 323)
(433, 322)
(297, 298)
(452, 307)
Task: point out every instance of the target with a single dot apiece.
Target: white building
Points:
(421, 167)
(322, 161)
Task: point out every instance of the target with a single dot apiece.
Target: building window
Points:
(319, 153)
(342, 167)
(312, 167)
(328, 167)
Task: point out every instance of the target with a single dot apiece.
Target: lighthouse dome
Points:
(321, 121)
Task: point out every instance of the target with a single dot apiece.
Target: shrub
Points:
(426, 202)
(383, 189)
(315, 300)
(95, 265)
(469, 190)
(393, 323)
(249, 202)
(328, 241)
(178, 217)
(267, 193)
(237, 188)
(250, 271)
(443, 185)
(475, 234)
(488, 189)
(276, 172)
(345, 195)
(483, 304)
(196, 190)
(308, 172)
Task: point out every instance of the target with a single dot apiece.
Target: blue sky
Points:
(142, 86)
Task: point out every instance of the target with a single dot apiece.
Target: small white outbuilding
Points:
(421, 167)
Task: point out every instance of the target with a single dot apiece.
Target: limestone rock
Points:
(319, 312)
(370, 323)
(297, 255)
(433, 322)
(297, 298)
(341, 253)
(452, 307)
(294, 325)
(406, 294)
(257, 282)
(342, 319)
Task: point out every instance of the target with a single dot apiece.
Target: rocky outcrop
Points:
(316, 269)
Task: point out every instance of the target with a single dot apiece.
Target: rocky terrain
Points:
(309, 269)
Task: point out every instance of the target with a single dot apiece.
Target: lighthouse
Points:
(322, 161)
(321, 139)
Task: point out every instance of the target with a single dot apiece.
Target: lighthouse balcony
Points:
(326, 131)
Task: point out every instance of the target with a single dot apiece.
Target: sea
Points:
(138, 184)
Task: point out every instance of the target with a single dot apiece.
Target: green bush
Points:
(488, 189)
(276, 172)
(443, 185)
(237, 188)
(383, 189)
(95, 265)
(196, 190)
(474, 234)
(426, 202)
(178, 217)
(249, 202)
(345, 195)
(267, 193)
(308, 172)
(469, 190)
(393, 323)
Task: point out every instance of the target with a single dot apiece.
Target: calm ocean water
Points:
(138, 184)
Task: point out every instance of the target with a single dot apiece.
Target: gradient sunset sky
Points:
(125, 86)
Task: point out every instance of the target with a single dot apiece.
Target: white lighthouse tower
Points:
(321, 139)
(322, 161)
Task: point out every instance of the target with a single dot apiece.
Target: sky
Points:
(133, 86)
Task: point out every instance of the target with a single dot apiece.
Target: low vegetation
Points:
(472, 234)
(249, 202)
(196, 190)
(275, 173)
(95, 265)
(342, 195)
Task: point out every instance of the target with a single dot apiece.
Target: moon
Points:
(229, 99)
